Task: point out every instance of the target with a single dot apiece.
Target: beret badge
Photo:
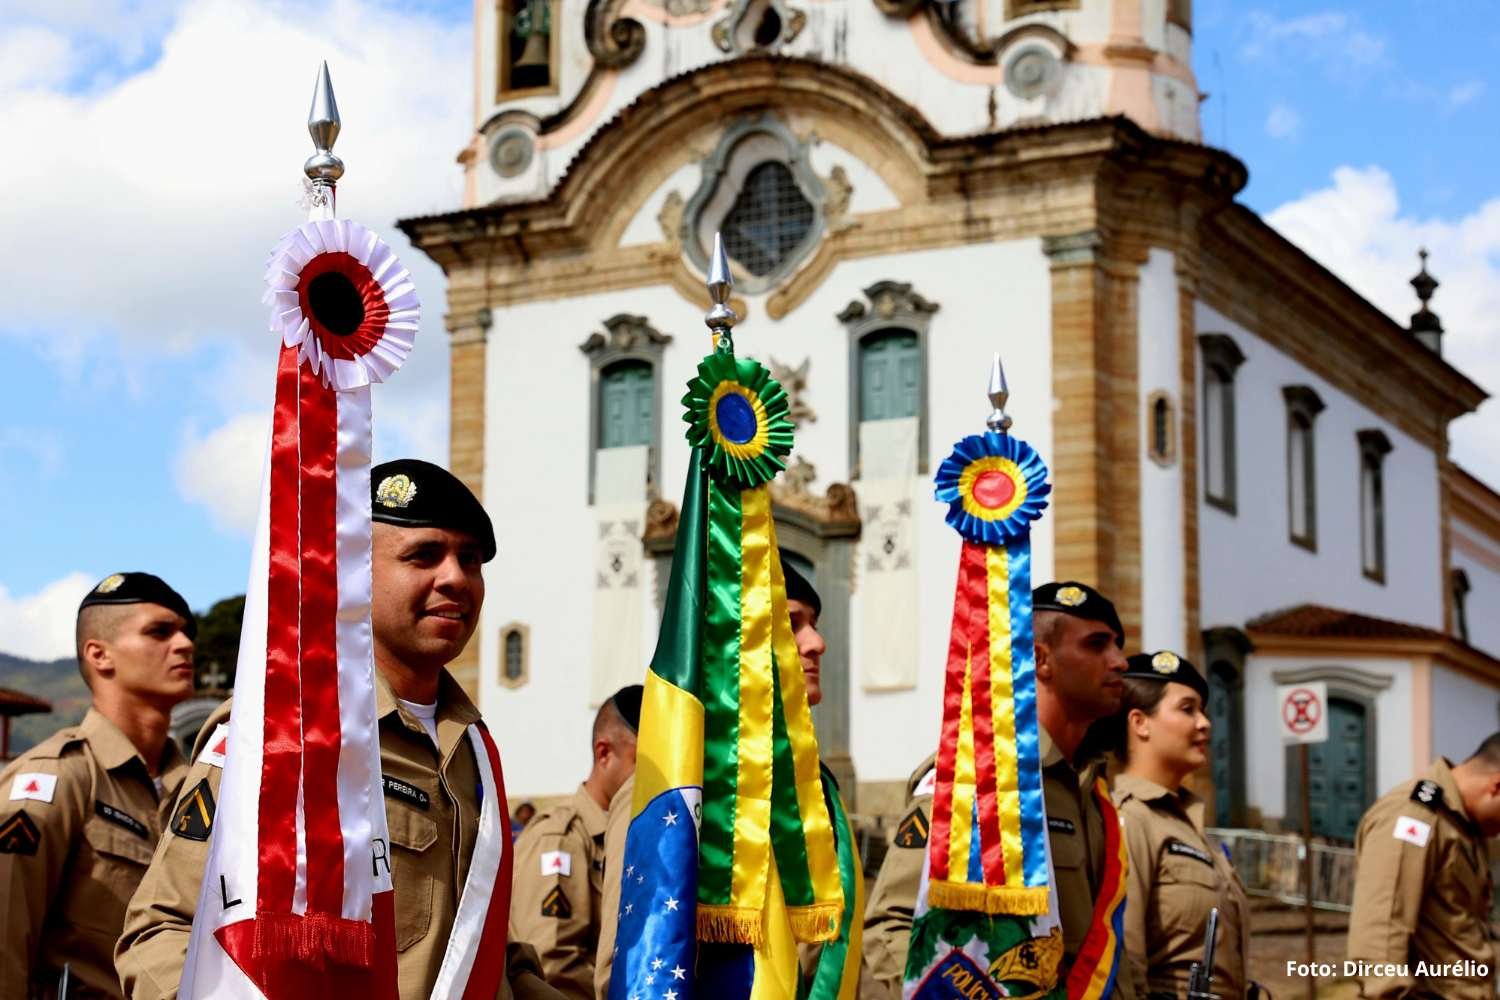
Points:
(110, 583)
(1071, 597)
(396, 492)
(1165, 662)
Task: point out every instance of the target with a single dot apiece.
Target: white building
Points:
(1247, 456)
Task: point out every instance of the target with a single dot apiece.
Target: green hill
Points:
(58, 682)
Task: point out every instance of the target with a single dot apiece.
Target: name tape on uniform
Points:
(213, 750)
(30, 785)
(557, 863)
(1413, 831)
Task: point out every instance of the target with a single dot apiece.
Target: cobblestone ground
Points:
(1277, 938)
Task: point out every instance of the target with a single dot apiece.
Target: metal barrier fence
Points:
(1270, 864)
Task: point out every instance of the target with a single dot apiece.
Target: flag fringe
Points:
(730, 925)
(1015, 900)
(317, 938)
(817, 922)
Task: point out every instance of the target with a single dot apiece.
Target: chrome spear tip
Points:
(720, 318)
(998, 394)
(323, 125)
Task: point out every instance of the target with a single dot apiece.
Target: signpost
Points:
(1303, 709)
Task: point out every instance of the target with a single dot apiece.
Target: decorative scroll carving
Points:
(614, 41)
(728, 35)
(670, 218)
(838, 505)
(661, 521)
(888, 299)
(794, 381)
(625, 333)
(837, 190)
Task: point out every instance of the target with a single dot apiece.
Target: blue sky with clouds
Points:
(153, 158)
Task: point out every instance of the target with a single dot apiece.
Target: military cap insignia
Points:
(1429, 793)
(194, 818)
(19, 835)
(556, 905)
(913, 830)
(1165, 662)
(110, 583)
(396, 491)
(1071, 597)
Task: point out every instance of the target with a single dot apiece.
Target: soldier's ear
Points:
(97, 661)
(1043, 662)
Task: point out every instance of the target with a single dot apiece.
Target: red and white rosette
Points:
(341, 296)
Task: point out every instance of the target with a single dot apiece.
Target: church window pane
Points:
(513, 655)
(1373, 447)
(1161, 440)
(627, 394)
(1303, 407)
(890, 375)
(769, 219)
(1221, 359)
(1460, 588)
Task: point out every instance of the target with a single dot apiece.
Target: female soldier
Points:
(1160, 735)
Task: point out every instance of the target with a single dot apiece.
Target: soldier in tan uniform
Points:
(1079, 664)
(84, 808)
(1176, 876)
(559, 868)
(1422, 889)
(427, 594)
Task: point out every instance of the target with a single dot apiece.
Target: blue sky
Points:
(154, 153)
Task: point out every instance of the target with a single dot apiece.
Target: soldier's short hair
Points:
(98, 621)
(1488, 752)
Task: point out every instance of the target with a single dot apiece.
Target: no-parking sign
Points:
(1303, 710)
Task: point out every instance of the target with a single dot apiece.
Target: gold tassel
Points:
(730, 925)
(1012, 900)
(817, 922)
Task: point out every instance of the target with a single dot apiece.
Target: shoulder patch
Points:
(555, 904)
(557, 863)
(33, 785)
(913, 830)
(194, 818)
(217, 745)
(1180, 849)
(407, 792)
(927, 785)
(1413, 831)
(1429, 793)
(121, 818)
(1056, 824)
(19, 835)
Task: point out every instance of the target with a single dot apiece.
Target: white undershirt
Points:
(425, 714)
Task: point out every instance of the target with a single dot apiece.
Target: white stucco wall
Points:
(1265, 757)
(1479, 558)
(1465, 710)
(536, 473)
(1163, 599)
(1249, 566)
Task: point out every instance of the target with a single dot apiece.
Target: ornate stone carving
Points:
(794, 381)
(614, 41)
(670, 218)
(888, 299)
(898, 8)
(728, 33)
(838, 505)
(799, 476)
(661, 521)
(836, 194)
(625, 333)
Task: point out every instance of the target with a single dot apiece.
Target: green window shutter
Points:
(890, 376)
(626, 405)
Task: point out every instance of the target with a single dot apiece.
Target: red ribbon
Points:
(376, 312)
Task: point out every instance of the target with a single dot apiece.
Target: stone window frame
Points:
(1161, 401)
(627, 337)
(725, 170)
(502, 56)
(1459, 586)
(1374, 446)
(892, 305)
(523, 632)
(1303, 404)
(1221, 357)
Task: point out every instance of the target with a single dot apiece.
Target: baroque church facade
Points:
(1247, 456)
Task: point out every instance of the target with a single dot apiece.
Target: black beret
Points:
(799, 589)
(1165, 665)
(1081, 601)
(411, 493)
(140, 588)
(627, 702)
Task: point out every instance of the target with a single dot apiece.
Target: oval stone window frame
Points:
(745, 145)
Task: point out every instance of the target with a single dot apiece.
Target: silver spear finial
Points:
(720, 318)
(998, 393)
(323, 168)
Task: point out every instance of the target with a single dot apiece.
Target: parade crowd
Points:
(106, 825)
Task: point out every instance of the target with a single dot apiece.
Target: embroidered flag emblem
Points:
(927, 784)
(29, 785)
(215, 748)
(557, 863)
(1413, 831)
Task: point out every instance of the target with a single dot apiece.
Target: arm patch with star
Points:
(19, 835)
(913, 830)
(555, 904)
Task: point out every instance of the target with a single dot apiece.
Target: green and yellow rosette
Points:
(737, 414)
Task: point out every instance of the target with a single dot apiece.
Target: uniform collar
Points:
(111, 747)
(453, 705)
(1149, 791)
(1048, 750)
(1441, 773)
(595, 819)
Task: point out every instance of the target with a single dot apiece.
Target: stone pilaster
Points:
(466, 366)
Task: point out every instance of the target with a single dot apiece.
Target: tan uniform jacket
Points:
(1422, 893)
(616, 828)
(69, 865)
(1075, 833)
(556, 892)
(1176, 877)
(431, 800)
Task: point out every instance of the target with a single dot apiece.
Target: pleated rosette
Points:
(340, 295)
(995, 487)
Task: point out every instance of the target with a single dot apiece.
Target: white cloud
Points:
(1465, 93)
(40, 626)
(1357, 229)
(1331, 37)
(1284, 122)
(221, 470)
(33, 57)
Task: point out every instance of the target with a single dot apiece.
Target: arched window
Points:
(770, 219)
(1221, 359)
(627, 404)
(515, 655)
(1373, 447)
(1161, 440)
(527, 49)
(1302, 408)
(625, 392)
(888, 378)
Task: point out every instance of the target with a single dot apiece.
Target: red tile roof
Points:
(1314, 621)
(20, 703)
